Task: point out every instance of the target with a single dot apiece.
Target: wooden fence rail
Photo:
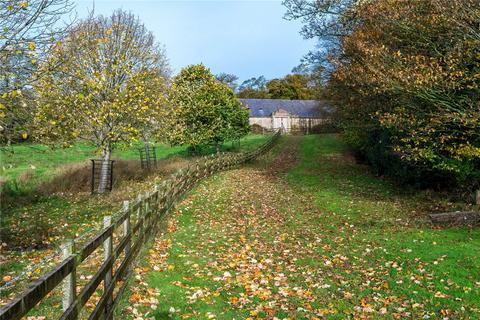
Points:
(136, 224)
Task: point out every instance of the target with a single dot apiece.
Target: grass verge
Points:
(327, 239)
(35, 229)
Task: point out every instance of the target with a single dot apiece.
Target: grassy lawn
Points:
(39, 225)
(306, 238)
(41, 160)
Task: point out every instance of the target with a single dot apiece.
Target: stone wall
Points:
(262, 122)
(294, 124)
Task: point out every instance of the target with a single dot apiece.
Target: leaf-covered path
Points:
(280, 240)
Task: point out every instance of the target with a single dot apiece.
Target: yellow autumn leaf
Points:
(32, 46)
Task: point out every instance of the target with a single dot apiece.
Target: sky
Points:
(246, 38)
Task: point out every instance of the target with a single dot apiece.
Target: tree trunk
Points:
(105, 170)
(147, 154)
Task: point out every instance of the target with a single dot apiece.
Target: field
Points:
(41, 161)
(306, 233)
(35, 222)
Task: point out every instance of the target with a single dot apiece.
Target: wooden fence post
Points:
(179, 184)
(188, 179)
(156, 194)
(147, 213)
(147, 202)
(477, 197)
(209, 167)
(167, 194)
(205, 168)
(126, 225)
(185, 179)
(183, 182)
(171, 190)
(165, 184)
(215, 164)
(69, 283)
(229, 161)
(224, 161)
(163, 197)
(107, 253)
(197, 171)
(139, 209)
(176, 186)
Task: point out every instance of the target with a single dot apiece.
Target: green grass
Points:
(393, 221)
(48, 220)
(354, 246)
(25, 166)
(22, 157)
(42, 160)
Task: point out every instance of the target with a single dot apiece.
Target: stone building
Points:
(292, 116)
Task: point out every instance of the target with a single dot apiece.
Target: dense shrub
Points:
(406, 82)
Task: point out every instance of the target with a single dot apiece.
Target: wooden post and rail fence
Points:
(134, 227)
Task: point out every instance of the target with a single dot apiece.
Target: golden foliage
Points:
(412, 69)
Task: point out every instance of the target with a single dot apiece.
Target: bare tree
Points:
(229, 79)
(327, 21)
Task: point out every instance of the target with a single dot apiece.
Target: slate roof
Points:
(302, 108)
